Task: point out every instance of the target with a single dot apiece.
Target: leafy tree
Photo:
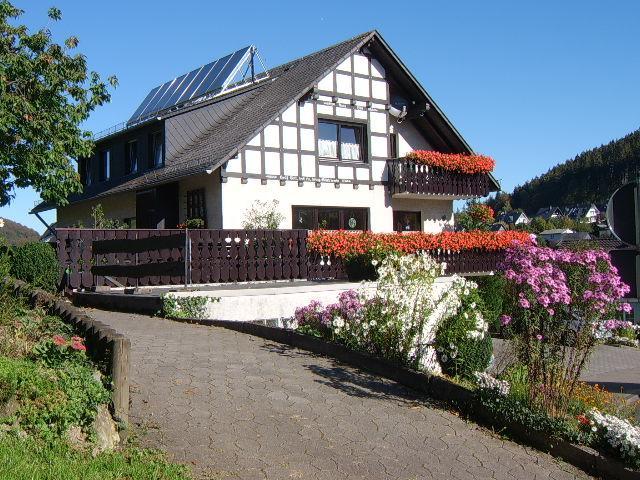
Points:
(46, 92)
(475, 216)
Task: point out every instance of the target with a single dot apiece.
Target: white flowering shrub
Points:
(400, 320)
(463, 343)
(487, 382)
(619, 435)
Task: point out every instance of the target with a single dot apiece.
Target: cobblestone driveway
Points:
(237, 406)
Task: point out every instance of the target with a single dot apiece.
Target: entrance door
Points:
(158, 207)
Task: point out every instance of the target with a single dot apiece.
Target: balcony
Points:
(410, 179)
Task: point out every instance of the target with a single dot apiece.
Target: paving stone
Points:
(240, 407)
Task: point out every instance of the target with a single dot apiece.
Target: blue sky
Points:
(531, 83)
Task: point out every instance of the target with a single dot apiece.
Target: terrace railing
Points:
(93, 258)
(409, 177)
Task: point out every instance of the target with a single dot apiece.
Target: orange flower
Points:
(457, 162)
(342, 243)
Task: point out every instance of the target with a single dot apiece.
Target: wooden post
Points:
(120, 349)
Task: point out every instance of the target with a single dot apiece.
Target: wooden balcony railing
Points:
(407, 176)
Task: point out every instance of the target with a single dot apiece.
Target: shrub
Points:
(5, 258)
(186, 307)
(463, 343)
(491, 289)
(36, 263)
(556, 299)
(262, 215)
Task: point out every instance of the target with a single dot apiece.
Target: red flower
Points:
(582, 419)
(59, 340)
(79, 346)
(456, 162)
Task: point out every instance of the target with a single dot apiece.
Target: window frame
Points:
(151, 164)
(104, 165)
(130, 169)
(341, 216)
(340, 122)
(196, 199)
(413, 212)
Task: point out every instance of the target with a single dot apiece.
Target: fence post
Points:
(187, 259)
(121, 347)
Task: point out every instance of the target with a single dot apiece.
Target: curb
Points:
(108, 347)
(439, 388)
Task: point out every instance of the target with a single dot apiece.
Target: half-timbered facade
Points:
(325, 135)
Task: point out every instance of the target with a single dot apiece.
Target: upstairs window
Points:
(84, 170)
(341, 141)
(105, 166)
(131, 157)
(156, 150)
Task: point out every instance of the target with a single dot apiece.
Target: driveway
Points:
(240, 407)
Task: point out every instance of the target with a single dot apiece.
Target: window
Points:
(331, 218)
(393, 145)
(105, 166)
(196, 206)
(406, 221)
(156, 146)
(131, 157)
(341, 141)
(84, 170)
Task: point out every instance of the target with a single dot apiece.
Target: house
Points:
(555, 235)
(318, 134)
(548, 212)
(498, 227)
(588, 213)
(514, 217)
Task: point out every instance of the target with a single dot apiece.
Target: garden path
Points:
(241, 407)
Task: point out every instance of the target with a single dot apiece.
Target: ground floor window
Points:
(404, 221)
(331, 218)
(196, 205)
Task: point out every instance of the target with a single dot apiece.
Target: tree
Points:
(46, 92)
(475, 216)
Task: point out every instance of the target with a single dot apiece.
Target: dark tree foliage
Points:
(590, 177)
(46, 92)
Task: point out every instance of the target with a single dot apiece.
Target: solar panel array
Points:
(209, 79)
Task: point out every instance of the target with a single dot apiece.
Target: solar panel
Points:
(209, 79)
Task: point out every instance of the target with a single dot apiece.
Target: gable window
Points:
(105, 166)
(131, 157)
(156, 147)
(196, 205)
(330, 218)
(341, 141)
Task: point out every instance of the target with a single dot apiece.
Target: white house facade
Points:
(319, 135)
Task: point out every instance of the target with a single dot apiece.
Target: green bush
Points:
(5, 258)
(36, 263)
(492, 289)
(462, 346)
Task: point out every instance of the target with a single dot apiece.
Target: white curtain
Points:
(350, 151)
(328, 148)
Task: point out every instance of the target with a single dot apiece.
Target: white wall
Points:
(237, 198)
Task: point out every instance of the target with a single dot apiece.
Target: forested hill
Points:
(592, 176)
(16, 234)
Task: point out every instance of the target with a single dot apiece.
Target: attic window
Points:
(340, 141)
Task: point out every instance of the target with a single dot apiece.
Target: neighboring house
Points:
(498, 227)
(548, 212)
(317, 134)
(513, 217)
(583, 213)
(555, 235)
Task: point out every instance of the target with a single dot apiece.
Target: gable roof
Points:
(231, 120)
(511, 217)
(548, 212)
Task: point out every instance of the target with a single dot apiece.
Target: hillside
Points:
(17, 234)
(591, 176)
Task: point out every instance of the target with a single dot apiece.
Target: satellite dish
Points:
(623, 212)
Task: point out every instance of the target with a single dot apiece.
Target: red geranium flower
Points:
(59, 340)
(456, 162)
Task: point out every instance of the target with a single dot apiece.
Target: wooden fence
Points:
(133, 258)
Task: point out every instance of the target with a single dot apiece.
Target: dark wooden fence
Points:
(133, 258)
(407, 176)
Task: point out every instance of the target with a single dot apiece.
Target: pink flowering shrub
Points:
(558, 299)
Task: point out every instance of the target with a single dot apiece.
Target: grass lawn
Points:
(30, 459)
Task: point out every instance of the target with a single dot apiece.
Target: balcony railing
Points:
(408, 177)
